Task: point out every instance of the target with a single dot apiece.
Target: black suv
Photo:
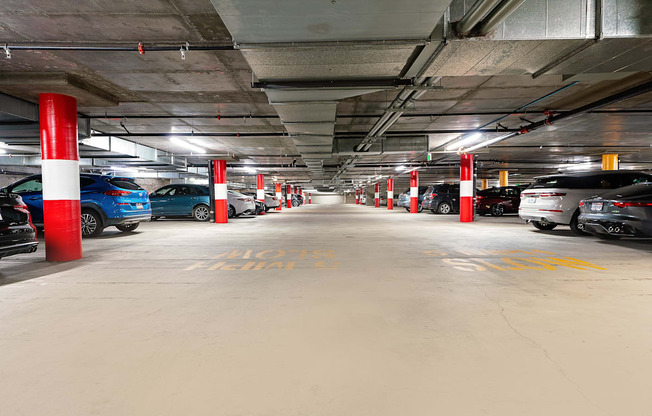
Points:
(442, 199)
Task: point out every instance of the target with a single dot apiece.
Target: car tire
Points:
(91, 223)
(201, 213)
(544, 226)
(497, 210)
(295, 204)
(444, 208)
(127, 228)
(419, 208)
(231, 211)
(407, 209)
(576, 226)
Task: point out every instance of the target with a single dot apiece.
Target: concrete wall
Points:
(9, 179)
(328, 199)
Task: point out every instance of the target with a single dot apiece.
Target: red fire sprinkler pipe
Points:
(60, 177)
(414, 192)
(260, 190)
(466, 188)
(377, 195)
(390, 193)
(221, 204)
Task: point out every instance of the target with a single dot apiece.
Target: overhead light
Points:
(579, 166)
(464, 141)
(187, 145)
(400, 168)
(489, 142)
(249, 170)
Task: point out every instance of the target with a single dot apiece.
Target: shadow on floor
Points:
(21, 270)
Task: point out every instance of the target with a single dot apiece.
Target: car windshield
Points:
(489, 192)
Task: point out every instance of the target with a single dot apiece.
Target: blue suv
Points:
(105, 201)
(181, 200)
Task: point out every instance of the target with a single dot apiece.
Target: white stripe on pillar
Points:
(60, 179)
(390, 194)
(466, 188)
(220, 191)
(414, 192)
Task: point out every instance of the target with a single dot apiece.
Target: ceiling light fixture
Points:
(187, 145)
(489, 142)
(400, 168)
(249, 170)
(457, 144)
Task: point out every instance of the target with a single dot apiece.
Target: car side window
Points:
(84, 182)
(183, 190)
(512, 192)
(33, 185)
(163, 191)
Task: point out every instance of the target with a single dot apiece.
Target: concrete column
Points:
(414, 192)
(279, 195)
(504, 178)
(60, 177)
(377, 195)
(610, 162)
(484, 184)
(357, 196)
(390, 193)
(221, 203)
(466, 188)
(309, 198)
(288, 196)
(260, 189)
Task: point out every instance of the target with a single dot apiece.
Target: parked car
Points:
(181, 201)
(498, 200)
(271, 201)
(17, 234)
(297, 200)
(404, 198)
(105, 201)
(623, 212)
(442, 199)
(553, 200)
(240, 204)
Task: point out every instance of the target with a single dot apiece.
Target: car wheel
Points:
(419, 208)
(267, 209)
(546, 226)
(407, 209)
(127, 228)
(577, 227)
(497, 210)
(91, 223)
(231, 211)
(295, 204)
(201, 213)
(444, 208)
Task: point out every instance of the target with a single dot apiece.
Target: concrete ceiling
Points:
(208, 95)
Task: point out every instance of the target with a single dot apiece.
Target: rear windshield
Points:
(125, 183)
(605, 181)
(638, 190)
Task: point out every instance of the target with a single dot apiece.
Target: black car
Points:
(17, 234)
(442, 199)
(297, 200)
(623, 212)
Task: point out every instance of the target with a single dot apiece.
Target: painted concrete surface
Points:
(340, 310)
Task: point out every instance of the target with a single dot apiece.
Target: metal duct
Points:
(496, 17)
(475, 14)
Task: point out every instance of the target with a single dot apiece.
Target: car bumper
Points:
(131, 219)
(20, 248)
(544, 216)
(616, 225)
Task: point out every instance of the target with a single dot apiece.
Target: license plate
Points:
(139, 206)
(531, 200)
(596, 206)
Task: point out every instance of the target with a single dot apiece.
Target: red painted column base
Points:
(390, 204)
(221, 211)
(466, 209)
(414, 205)
(63, 234)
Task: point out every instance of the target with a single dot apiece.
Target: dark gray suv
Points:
(442, 199)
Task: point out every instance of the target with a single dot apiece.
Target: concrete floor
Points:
(343, 310)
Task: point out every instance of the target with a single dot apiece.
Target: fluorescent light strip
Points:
(187, 145)
(489, 142)
(468, 139)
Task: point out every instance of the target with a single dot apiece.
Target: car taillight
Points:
(432, 195)
(479, 197)
(551, 194)
(632, 204)
(115, 192)
(21, 208)
(581, 203)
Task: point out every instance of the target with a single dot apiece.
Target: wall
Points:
(328, 199)
(9, 179)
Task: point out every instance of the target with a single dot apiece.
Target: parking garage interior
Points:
(348, 292)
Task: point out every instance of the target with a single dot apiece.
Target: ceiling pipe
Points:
(497, 16)
(137, 47)
(475, 14)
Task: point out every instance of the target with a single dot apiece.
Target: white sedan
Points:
(240, 204)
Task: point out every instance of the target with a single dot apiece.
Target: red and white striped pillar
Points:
(377, 195)
(260, 190)
(279, 196)
(300, 192)
(414, 192)
(60, 177)
(309, 198)
(221, 204)
(357, 196)
(390, 193)
(466, 188)
(288, 196)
